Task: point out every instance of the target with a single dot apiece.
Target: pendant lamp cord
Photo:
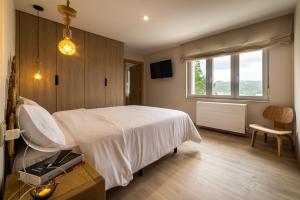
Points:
(38, 36)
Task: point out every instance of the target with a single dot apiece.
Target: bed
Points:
(119, 141)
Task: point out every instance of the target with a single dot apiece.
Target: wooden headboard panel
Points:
(11, 113)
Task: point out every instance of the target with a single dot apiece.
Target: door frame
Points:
(142, 78)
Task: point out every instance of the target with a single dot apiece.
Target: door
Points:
(70, 71)
(135, 92)
(94, 71)
(134, 82)
(114, 91)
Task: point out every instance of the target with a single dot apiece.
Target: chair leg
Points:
(279, 144)
(266, 137)
(292, 142)
(253, 138)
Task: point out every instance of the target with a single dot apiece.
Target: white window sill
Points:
(228, 99)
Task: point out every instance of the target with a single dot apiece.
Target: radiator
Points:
(224, 116)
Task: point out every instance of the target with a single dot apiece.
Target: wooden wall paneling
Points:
(27, 57)
(114, 73)
(70, 69)
(48, 66)
(120, 74)
(42, 91)
(81, 77)
(94, 70)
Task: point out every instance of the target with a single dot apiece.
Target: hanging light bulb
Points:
(38, 75)
(66, 46)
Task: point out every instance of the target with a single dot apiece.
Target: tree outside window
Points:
(199, 67)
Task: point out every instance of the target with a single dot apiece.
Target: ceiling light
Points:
(66, 46)
(146, 18)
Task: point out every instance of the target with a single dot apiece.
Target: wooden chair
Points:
(281, 116)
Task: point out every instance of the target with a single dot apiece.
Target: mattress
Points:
(118, 141)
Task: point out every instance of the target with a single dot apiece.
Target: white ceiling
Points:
(171, 22)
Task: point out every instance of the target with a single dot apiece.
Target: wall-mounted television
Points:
(162, 69)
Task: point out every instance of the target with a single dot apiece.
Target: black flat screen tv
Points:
(162, 69)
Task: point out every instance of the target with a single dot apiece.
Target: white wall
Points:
(7, 49)
(133, 55)
(170, 93)
(297, 74)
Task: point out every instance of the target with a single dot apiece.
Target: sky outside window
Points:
(251, 74)
(222, 76)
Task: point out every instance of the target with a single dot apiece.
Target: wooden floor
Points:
(221, 167)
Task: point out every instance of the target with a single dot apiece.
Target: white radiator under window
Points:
(223, 116)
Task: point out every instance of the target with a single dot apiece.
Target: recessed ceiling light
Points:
(146, 18)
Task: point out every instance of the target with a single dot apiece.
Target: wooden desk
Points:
(82, 183)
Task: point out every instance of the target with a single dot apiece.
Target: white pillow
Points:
(40, 129)
(26, 101)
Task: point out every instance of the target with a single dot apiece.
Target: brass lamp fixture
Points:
(38, 75)
(66, 46)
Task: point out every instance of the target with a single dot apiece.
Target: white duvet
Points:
(119, 141)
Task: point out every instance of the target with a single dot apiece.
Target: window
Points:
(221, 76)
(251, 74)
(241, 76)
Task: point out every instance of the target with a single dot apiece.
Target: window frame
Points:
(234, 80)
(231, 82)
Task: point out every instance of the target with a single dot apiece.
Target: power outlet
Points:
(2, 133)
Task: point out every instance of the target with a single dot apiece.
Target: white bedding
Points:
(118, 141)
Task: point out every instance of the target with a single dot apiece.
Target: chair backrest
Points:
(279, 114)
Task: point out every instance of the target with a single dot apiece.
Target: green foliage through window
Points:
(200, 79)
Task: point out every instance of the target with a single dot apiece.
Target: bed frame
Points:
(11, 116)
(9, 147)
